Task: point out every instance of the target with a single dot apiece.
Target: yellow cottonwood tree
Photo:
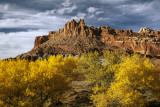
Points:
(99, 69)
(12, 84)
(133, 75)
(32, 84)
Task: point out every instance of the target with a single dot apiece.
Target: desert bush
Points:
(24, 83)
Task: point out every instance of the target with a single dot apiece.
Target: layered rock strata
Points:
(76, 38)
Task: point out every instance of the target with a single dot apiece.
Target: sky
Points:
(22, 20)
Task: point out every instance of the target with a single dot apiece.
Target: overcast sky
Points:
(22, 20)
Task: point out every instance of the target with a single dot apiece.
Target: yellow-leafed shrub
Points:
(24, 83)
(132, 76)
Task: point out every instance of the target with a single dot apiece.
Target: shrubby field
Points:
(116, 79)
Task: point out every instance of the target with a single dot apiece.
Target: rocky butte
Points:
(76, 38)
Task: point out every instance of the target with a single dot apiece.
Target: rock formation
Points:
(41, 39)
(76, 38)
(145, 30)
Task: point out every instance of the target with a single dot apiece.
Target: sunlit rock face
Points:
(145, 30)
(76, 38)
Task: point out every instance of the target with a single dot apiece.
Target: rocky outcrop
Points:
(155, 33)
(128, 41)
(77, 29)
(149, 32)
(145, 30)
(76, 38)
(41, 39)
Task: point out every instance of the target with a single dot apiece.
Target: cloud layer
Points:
(22, 20)
(15, 43)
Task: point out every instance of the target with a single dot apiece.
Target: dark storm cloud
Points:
(7, 30)
(22, 20)
(122, 13)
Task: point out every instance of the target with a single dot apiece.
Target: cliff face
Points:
(41, 39)
(142, 43)
(76, 38)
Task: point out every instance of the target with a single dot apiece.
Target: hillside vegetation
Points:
(115, 80)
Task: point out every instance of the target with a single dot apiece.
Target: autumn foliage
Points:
(24, 83)
(116, 80)
(120, 80)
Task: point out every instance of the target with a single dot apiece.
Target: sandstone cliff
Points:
(76, 38)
